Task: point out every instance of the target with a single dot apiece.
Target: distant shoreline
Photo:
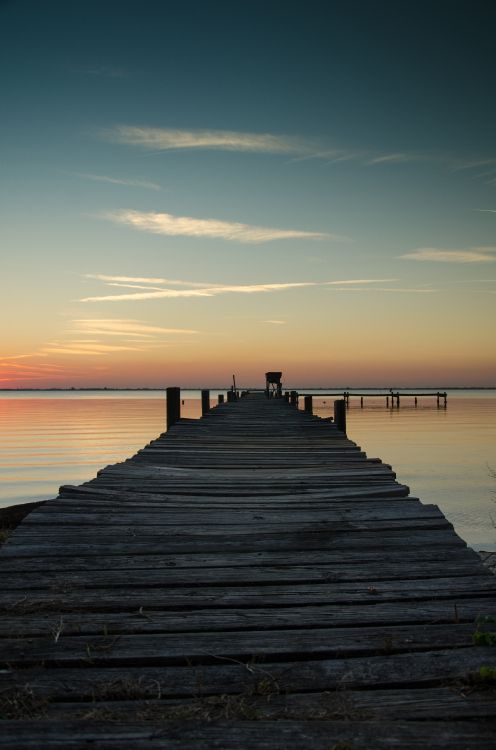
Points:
(226, 388)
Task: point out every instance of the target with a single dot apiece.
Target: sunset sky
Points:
(199, 189)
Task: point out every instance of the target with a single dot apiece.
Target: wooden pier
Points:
(249, 579)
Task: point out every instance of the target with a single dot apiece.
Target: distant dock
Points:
(248, 579)
(392, 398)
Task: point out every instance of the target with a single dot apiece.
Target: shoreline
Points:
(301, 388)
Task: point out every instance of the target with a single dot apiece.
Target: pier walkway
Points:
(250, 579)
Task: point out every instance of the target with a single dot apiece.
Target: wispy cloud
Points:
(276, 322)
(172, 139)
(125, 327)
(166, 139)
(139, 183)
(133, 286)
(23, 356)
(87, 349)
(486, 210)
(358, 281)
(209, 292)
(441, 255)
(215, 290)
(144, 280)
(397, 158)
(187, 226)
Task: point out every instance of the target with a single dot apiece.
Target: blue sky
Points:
(197, 187)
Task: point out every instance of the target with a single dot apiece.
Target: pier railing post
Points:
(309, 404)
(340, 415)
(293, 398)
(231, 396)
(220, 398)
(205, 402)
(173, 405)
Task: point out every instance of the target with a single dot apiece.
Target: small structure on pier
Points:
(273, 385)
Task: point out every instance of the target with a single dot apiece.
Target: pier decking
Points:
(247, 579)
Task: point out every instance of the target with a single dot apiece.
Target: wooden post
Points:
(309, 404)
(293, 397)
(231, 396)
(361, 402)
(173, 405)
(387, 401)
(205, 402)
(286, 396)
(220, 398)
(340, 415)
(415, 401)
(445, 399)
(438, 399)
(398, 399)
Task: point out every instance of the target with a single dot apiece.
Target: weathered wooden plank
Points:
(172, 576)
(392, 671)
(31, 620)
(154, 649)
(218, 597)
(350, 540)
(88, 533)
(15, 559)
(437, 703)
(211, 517)
(266, 735)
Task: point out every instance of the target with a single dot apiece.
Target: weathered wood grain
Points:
(265, 735)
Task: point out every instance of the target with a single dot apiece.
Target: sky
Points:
(193, 190)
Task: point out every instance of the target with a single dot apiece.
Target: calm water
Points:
(445, 456)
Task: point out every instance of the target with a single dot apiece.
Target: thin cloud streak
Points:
(24, 356)
(210, 292)
(131, 279)
(144, 280)
(118, 181)
(231, 288)
(96, 349)
(188, 226)
(124, 326)
(391, 158)
(172, 293)
(167, 139)
(441, 255)
(172, 139)
(134, 286)
(358, 281)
